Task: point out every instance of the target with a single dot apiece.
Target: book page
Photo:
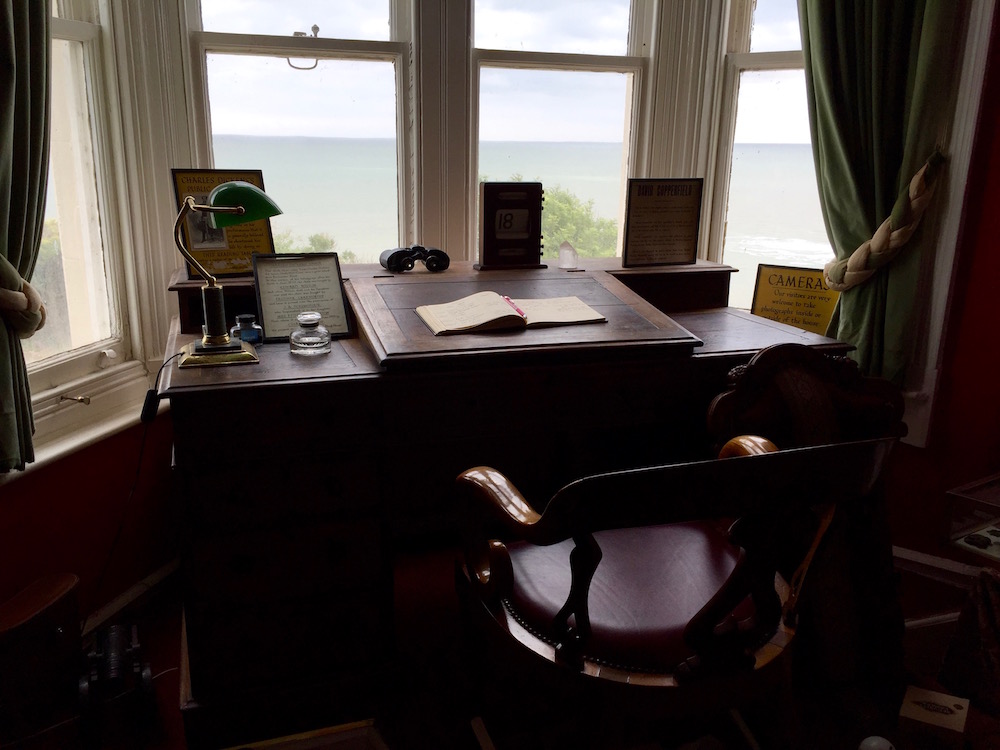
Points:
(555, 311)
(477, 311)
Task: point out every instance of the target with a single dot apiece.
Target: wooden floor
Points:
(428, 703)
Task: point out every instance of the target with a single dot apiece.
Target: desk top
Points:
(385, 307)
(723, 334)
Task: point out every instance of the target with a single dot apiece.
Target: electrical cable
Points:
(148, 412)
(149, 408)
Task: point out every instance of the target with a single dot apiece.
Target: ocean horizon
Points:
(346, 188)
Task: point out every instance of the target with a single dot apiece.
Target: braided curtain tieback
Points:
(20, 303)
(894, 232)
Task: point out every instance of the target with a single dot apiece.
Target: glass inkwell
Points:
(247, 329)
(311, 337)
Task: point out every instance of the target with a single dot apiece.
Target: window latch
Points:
(85, 400)
(315, 33)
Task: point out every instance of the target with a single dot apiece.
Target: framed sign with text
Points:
(223, 252)
(796, 296)
(291, 283)
(662, 219)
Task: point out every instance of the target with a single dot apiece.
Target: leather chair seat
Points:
(639, 603)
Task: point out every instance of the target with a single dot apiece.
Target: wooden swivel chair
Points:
(850, 623)
(633, 598)
(797, 396)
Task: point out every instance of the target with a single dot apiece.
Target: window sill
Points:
(63, 426)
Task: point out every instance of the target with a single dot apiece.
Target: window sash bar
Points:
(73, 31)
(296, 46)
(559, 61)
(766, 60)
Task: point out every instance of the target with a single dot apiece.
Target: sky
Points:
(357, 99)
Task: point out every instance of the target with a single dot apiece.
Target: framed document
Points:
(288, 284)
(796, 296)
(661, 222)
(223, 252)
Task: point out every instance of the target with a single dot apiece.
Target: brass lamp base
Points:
(197, 354)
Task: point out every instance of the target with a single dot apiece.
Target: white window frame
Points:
(633, 63)
(203, 43)
(111, 373)
(553, 61)
(737, 63)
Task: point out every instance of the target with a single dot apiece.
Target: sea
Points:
(346, 188)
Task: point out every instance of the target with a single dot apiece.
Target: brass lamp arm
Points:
(190, 205)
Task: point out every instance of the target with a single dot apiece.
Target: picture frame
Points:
(662, 222)
(224, 252)
(287, 284)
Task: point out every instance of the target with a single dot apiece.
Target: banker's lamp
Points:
(228, 204)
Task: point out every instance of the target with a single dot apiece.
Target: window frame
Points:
(203, 43)
(737, 63)
(635, 66)
(110, 373)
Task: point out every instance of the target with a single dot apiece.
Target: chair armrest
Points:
(747, 445)
(485, 495)
(33, 602)
(489, 496)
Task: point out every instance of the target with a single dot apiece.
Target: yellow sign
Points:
(796, 296)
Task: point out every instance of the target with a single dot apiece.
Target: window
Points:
(327, 105)
(773, 213)
(422, 99)
(70, 271)
(317, 110)
(555, 89)
(87, 347)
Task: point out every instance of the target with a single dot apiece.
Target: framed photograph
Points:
(291, 283)
(662, 219)
(223, 252)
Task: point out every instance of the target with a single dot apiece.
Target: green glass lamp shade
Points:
(255, 202)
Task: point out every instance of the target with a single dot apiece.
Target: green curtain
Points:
(880, 90)
(25, 53)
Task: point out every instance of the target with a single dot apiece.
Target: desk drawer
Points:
(223, 500)
(288, 563)
(233, 650)
(272, 425)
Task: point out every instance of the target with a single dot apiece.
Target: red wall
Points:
(64, 517)
(965, 431)
(968, 417)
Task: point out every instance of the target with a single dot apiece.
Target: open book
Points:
(489, 311)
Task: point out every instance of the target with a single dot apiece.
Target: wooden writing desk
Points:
(300, 477)
(386, 315)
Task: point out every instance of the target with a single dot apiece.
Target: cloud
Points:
(531, 105)
(598, 27)
(360, 20)
(772, 107)
(252, 95)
